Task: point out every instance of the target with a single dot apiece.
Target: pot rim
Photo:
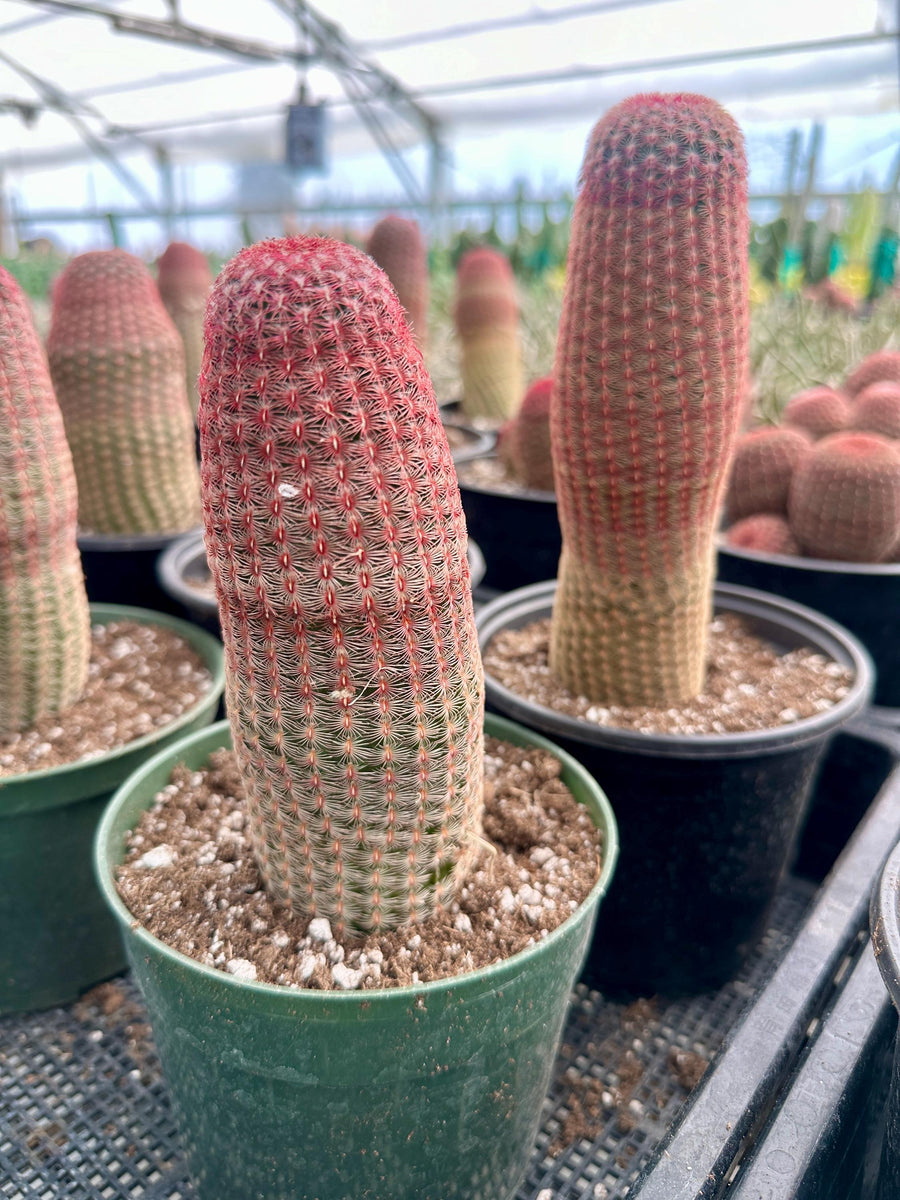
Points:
(492, 975)
(204, 643)
(534, 495)
(798, 562)
(884, 919)
(535, 602)
(123, 542)
(483, 442)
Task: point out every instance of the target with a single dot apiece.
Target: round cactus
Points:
(818, 411)
(118, 368)
(877, 410)
(398, 247)
(649, 383)
(486, 313)
(532, 453)
(767, 532)
(337, 543)
(764, 460)
(880, 367)
(44, 622)
(845, 498)
(184, 280)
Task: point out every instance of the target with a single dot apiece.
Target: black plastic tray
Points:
(84, 1113)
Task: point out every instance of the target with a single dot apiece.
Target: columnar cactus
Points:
(877, 410)
(184, 279)
(118, 368)
(767, 532)
(764, 460)
(818, 411)
(398, 247)
(648, 389)
(486, 312)
(882, 366)
(845, 498)
(44, 622)
(337, 543)
(533, 456)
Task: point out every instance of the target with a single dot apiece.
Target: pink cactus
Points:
(649, 385)
(882, 366)
(769, 533)
(877, 410)
(337, 543)
(184, 280)
(398, 247)
(845, 498)
(487, 323)
(818, 411)
(764, 460)
(532, 453)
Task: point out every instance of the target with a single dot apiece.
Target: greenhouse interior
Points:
(449, 455)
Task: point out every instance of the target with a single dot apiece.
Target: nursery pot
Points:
(518, 532)
(185, 559)
(707, 824)
(885, 924)
(121, 569)
(432, 1091)
(471, 442)
(57, 936)
(864, 597)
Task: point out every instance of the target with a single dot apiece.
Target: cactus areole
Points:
(649, 376)
(337, 544)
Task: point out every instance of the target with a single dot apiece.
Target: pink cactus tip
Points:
(818, 411)
(768, 533)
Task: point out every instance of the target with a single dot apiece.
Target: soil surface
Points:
(140, 678)
(489, 472)
(191, 879)
(749, 685)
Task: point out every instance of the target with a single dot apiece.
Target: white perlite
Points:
(241, 969)
(319, 930)
(159, 856)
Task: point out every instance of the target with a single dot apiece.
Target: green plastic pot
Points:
(57, 936)
(432, 1092)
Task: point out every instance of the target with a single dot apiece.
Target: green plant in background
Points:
(337, 543)
(118, 368)
(44, 620)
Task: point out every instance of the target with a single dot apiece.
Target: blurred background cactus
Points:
(184, 280)
(44, 621)
(118, 368)
(486, 313)
(648, 390)
(338, 548)
(525, 445)
(397, 245)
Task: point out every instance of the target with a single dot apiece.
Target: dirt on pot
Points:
(140, 679)
(749, 685)
(190, 878)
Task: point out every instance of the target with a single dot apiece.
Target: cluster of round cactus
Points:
(826, 482)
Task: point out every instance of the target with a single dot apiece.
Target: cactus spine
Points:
(764, 461)
(648, 389)
(397, 246)
(44, 621)
(118, 369)
(845, 499)
(184, 279)
(337, 543)
(487, 325)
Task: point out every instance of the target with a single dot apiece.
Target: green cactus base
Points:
(57, 936)
(433, 1092)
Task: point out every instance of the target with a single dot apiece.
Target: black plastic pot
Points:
(121, 569)
(708, 824)
(476, 443)
(185, 559)
(518, 532)
(885, 921)
(863, 597)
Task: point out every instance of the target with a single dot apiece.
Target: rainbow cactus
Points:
(337, 543)
(768, 533)
(881, 367)
(184, 279)
(118, 368)
(764, 461)
(486, 312)
(845, 499)
(45, 633)
(877, 410)
(818, 411)
(398, 247)
(649, 386)
(533, 461)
